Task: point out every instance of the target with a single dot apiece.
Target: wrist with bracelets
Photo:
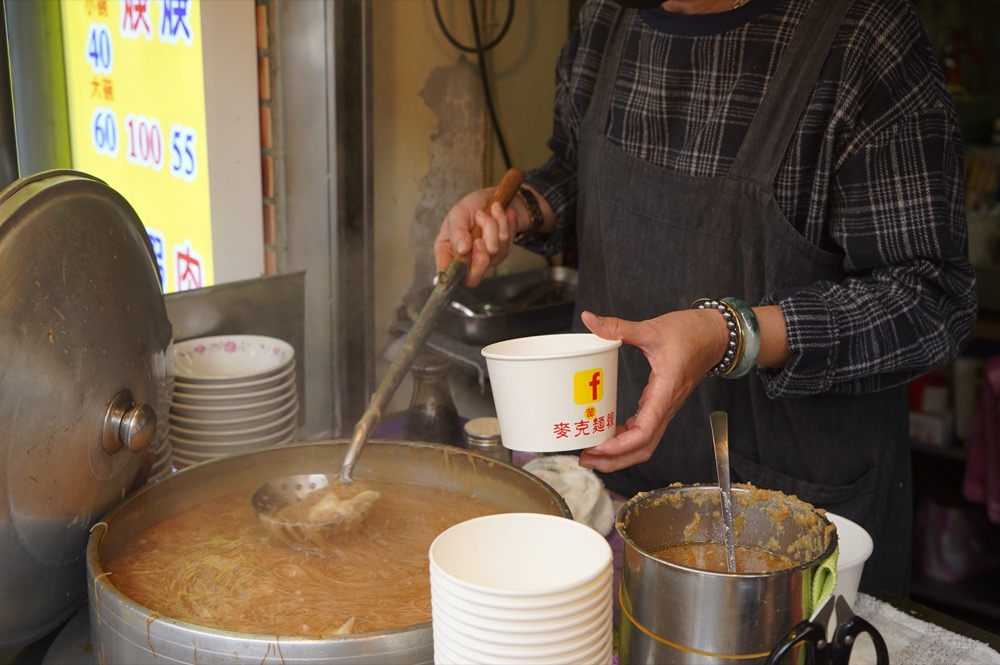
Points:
(535, 217)
(743, 344)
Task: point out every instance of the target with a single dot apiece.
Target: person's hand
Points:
(497, 227)
(680, 347)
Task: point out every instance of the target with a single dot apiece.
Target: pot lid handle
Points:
(128, 425)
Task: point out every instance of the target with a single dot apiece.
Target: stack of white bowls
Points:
(521, 588)
(162, 450)
(163, 464)
(232, 394)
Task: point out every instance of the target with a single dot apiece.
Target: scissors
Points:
(820, 651)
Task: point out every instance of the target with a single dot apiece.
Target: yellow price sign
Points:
(136, 94)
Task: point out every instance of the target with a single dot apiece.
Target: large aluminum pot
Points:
(674, 614)
(125, 632)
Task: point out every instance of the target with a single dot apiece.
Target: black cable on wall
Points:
(480, 49)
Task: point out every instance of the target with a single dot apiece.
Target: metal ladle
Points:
(335, 515)
(720, 433)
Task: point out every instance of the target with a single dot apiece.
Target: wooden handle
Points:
(505, 191)
(503, 194)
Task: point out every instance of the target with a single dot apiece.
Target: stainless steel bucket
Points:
(674, 614)
(125, 632)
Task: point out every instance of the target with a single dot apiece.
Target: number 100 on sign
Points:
(144, 142)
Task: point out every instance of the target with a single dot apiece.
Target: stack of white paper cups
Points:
(521, 588)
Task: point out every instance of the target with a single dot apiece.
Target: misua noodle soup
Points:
(216, 566)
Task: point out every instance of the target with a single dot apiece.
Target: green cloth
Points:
(824, 580)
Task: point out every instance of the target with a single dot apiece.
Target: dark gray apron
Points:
(652, 241)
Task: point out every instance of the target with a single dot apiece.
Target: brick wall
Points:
(268, 147)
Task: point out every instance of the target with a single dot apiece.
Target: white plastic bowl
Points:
(236, 387)
(270, 426)
(246, 443)
(855, 547)
(263, 416)
(230, 357)
(184, 456)
(226, 412)
(242, 397)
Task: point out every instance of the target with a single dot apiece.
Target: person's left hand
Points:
(680, 347)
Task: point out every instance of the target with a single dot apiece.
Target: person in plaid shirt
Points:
(793, 165)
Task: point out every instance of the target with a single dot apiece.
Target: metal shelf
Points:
(938, 473)
(952, 452)
(975, 599)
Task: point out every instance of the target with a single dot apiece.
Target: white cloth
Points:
(580, 488)
(912, 641)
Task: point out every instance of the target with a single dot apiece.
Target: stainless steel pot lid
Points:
(85, 371)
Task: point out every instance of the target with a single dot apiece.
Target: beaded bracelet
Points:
(743, 346)
(535, 217)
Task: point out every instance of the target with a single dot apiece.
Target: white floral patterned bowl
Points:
(230, 358)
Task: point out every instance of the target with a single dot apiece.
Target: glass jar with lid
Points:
(432, 415)
(483, 436)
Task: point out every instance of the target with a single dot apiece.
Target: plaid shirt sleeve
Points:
(909, 302)
(874, 173)
(897, 213)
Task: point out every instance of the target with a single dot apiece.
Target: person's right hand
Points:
(497, 228)
(680, 347)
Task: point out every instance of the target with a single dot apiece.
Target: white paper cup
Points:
(554, 392)
(529, 605)
(444, 655)
(473, 650)
(521, 555)
(559, 612)
(855, 547)
(520, 587)
(448, 651)
(506, 628)
(571, 635)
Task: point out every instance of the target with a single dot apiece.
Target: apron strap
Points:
(604, 85)
(787, 93)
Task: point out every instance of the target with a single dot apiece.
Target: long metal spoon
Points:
(337, 516)
(720, 433)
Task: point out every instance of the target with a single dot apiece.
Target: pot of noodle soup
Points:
(679, 603)
(183, 572)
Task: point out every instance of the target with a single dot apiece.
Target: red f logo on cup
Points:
(588, 386)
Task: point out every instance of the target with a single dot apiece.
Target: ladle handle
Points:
(503, 194)
(720, 434)
(444, 289)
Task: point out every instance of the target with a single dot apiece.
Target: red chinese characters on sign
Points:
(188, 266)
(584, 427)
(135, 19)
